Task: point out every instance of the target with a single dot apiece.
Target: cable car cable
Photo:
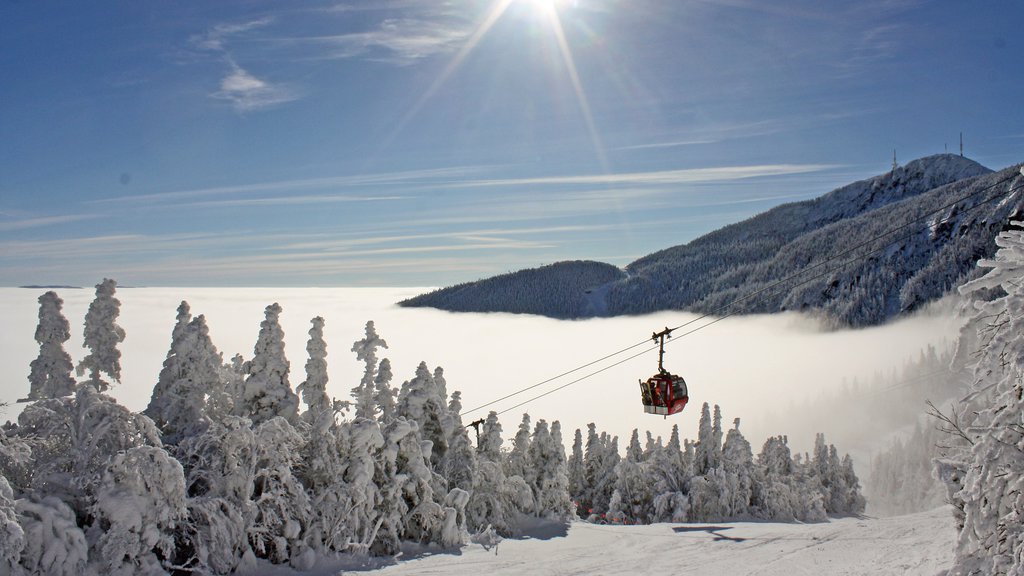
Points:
(757, 294)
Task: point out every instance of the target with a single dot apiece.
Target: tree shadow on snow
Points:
(712, 530)
(540, 529)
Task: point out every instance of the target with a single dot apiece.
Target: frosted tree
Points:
(101, 337)
(634, 453)
(419, 401)
(490, 443)
(383, 394)
(138, 510)
(494, 502)
(575, 471)
(73, 437)
(459, 463)
(366, 350)
(986, 481)
(192, 373)
(361, 514)
(314, 388)
(54, 544)
(266, 393)
(220, 470)
(12, 536)
(546, 474)
(50, 375)
(738, 465)
(518, 457)
(634, 492)
(283, 510)
(177, 333)
(705, 442)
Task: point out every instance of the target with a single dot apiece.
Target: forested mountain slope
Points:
(560, 290)
(741, 260)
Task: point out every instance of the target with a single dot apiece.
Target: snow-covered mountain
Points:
(741, 267)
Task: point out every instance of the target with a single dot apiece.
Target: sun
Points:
(548, 7)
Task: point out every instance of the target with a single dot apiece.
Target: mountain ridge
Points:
(737, 263)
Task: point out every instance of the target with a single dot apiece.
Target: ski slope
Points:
(917, 544)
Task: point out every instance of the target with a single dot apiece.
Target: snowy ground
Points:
(918, 544)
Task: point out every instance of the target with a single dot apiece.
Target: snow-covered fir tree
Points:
(191, 378)
(986, 479)
(384, 395)
(546, 474)
(266, 393)
(314, 388)
(101, 337)
(50, 375)
(366, 350)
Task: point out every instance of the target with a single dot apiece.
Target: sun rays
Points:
(549, 13)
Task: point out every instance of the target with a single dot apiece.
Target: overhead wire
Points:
(761, 292)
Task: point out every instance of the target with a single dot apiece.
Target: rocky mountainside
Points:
(740, 267)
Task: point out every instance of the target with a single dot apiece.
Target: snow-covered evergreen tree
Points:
(139, 507)
(72, 438)
(101, 337)
(314, 388)
(986, 482)
(50, 375)
(12, 536)
(738, 465)
(283, 512)
(267, 393)
(54, 544)
(518, 457)
(419, 401)
(459, 463)
(546, 474)
(384, 396)
(575, 471)
(192, 376)
(366, 350)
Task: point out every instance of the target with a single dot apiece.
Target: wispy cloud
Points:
(215, 38)
(293, 200)
(400, 41)
(663, 177)
(248, 93)
(434, 175)
(26, 223)
(675, 144)
(245, 91)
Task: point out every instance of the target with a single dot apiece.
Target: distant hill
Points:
(737, 261)
(560, 290)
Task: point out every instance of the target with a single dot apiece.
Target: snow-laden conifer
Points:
(267, 393)
(139, 507)
(54, 544)
(366, 350)
(574, 469)
(101, 337)
(72, 439)
(459, 463)
(986, 481)
(12, 536)
(191, 378)
(634, 452)
(50, 375)
(314, 388)
(220, 471)
(384, 395)
(283, 510)
(518, 457)
(546, 474)
(738, 465)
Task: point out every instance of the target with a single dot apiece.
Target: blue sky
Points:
(408, 142)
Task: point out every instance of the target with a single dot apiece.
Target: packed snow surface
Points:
(917, 544)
